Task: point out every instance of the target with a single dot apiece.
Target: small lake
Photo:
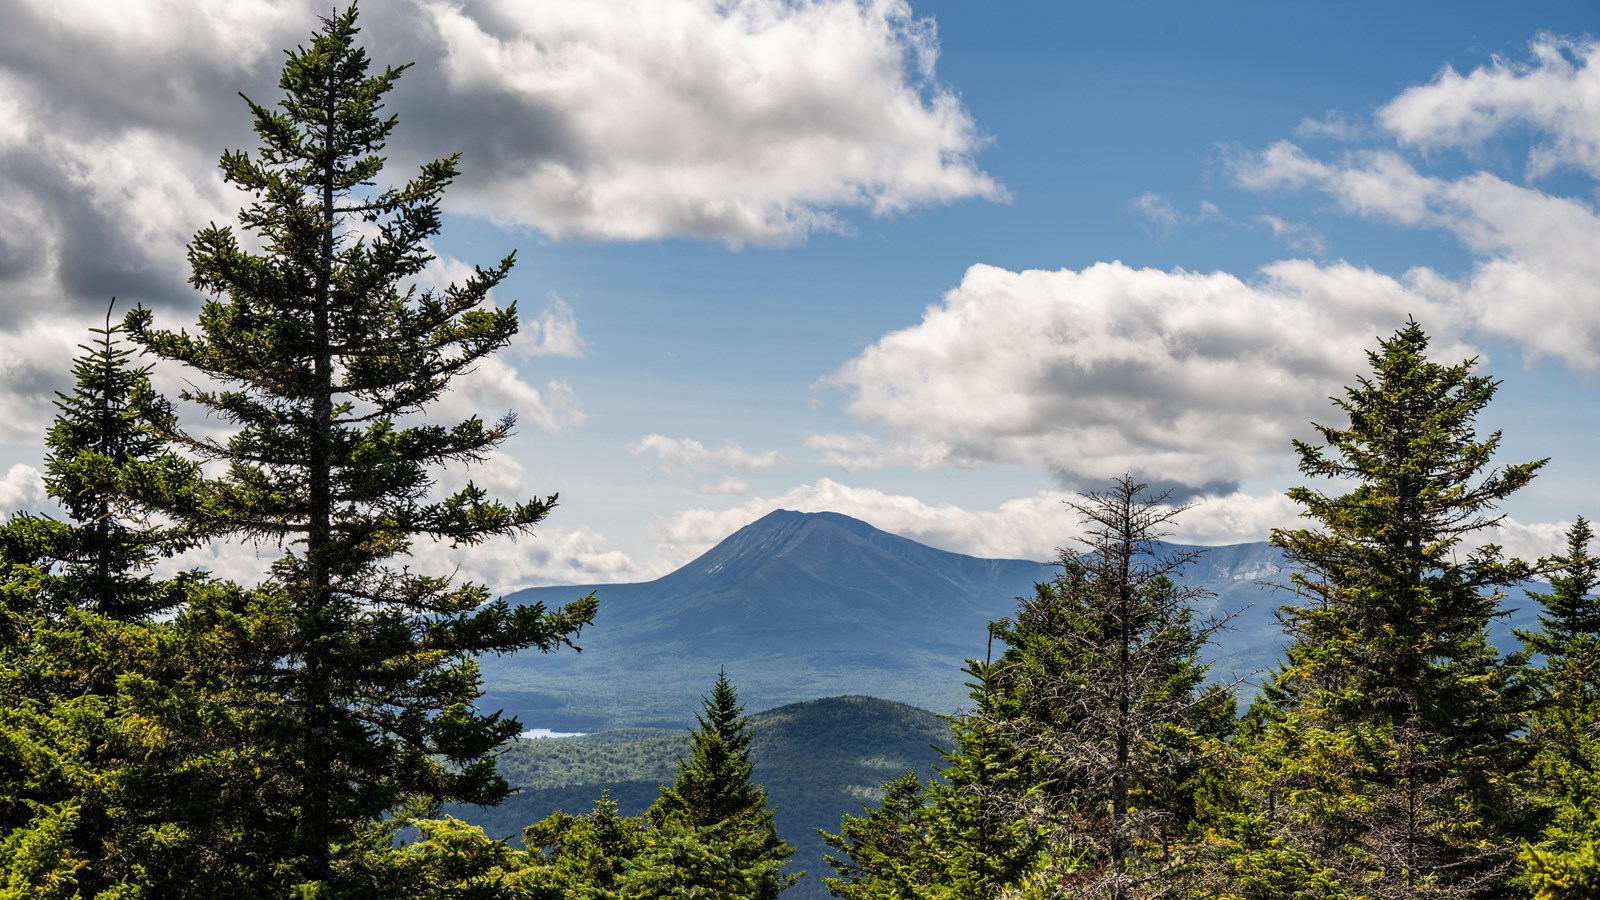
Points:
(537, 733)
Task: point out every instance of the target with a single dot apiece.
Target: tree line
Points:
(1392, 754)
(178, 735)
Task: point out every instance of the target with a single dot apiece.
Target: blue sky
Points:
(936, 265)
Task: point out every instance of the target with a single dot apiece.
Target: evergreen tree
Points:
(1391, 743)
(321, 355)
(40, 853)
(82, 644)
(715, 862)
(1080, 771)
(979, 837)
(1565, 726)
(583, 856)
(960, 836)
(885, 854)
(1104, 695)
(713, 795)
(447, 860)
(106, 468)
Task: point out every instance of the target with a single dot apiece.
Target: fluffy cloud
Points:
(752, 121)
(496, 473)
(553, 333)
(686, 456)
(35, 363)
(88, 217)
(1556, 92)
(1181, 378)
(554, 555)
(494, 387)
(1536, 275)
(504, 564)
(114, 120)
(22, 488)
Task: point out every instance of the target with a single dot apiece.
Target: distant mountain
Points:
(804, 605)
(817, 760)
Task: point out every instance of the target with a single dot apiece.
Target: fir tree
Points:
(713, 795)
(323, 356)
(715, 862)
(1104, 695)
(1079, 773)
(106, 468)
(583, 856)
(960, 836)
(1391, 743)
(82, 643)
(1565, 726)
(885, 854)
(979, 836)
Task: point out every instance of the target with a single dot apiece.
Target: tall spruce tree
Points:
(714, 798)
(321, 356)
(1391, 738)
(1079, 772)
(1564, 728)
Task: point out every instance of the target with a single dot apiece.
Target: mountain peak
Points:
(801, 604)
(779, 534)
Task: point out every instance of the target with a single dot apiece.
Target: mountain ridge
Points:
(800, 605)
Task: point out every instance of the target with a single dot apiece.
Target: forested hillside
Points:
(818, 761)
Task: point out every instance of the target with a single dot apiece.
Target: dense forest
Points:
(182, 736)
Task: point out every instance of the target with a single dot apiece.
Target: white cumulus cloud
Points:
(554, 332)
(751, 121)
(553, 555)
(1556, 91)
(754, 121)
(1536, 271)
(1178, 377)
(21, 489)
